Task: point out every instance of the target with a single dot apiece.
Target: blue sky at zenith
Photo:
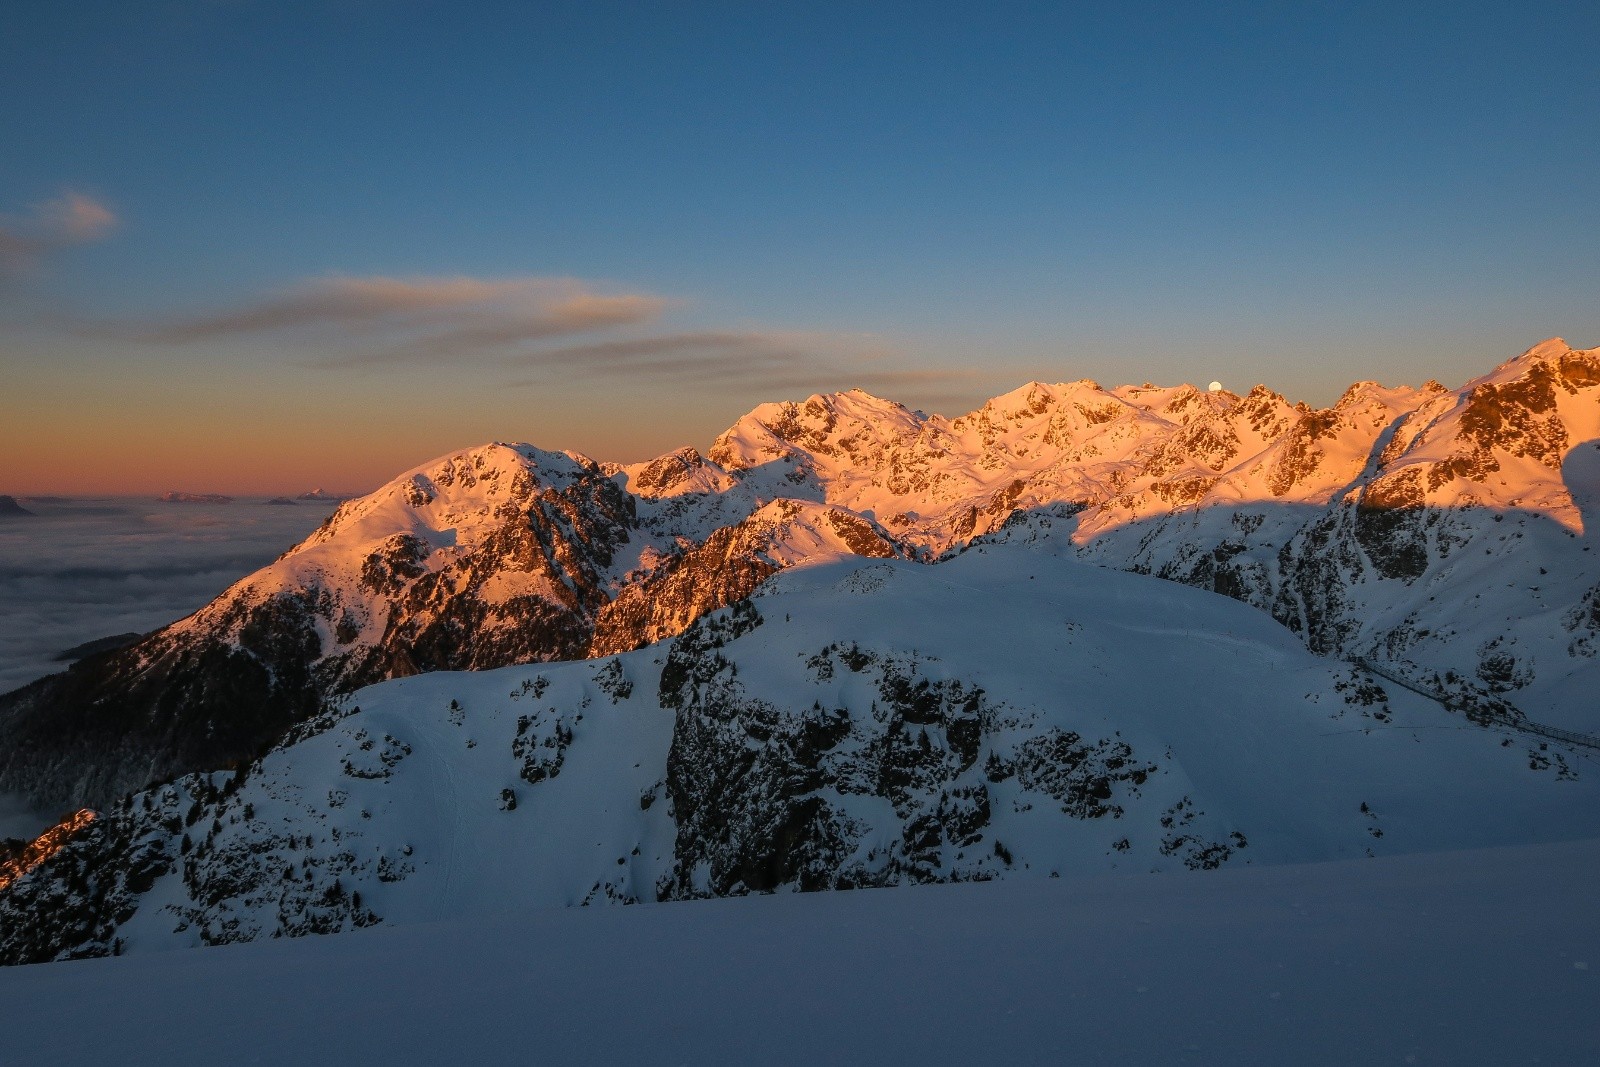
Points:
(957, 197)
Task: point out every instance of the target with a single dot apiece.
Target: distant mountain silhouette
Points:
(99, 644)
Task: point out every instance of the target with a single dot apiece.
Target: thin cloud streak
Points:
(71, 219)
(577, 314)
(641, 351)
(515, 324)
(751, 360)
(412, 318)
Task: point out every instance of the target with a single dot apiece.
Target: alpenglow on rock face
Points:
(1443, 532)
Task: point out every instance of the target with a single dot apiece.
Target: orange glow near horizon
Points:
(141, 443)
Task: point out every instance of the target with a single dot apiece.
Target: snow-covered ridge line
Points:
(1447, 531)
(856, 724)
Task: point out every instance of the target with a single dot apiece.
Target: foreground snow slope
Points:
(1472, 957)
(1007, 714)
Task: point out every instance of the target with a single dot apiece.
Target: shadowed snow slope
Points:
(1472, 957)
(1448, 534)
(1005, 715)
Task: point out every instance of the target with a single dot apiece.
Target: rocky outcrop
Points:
(18, 858)
(861, 723)
(1359, 526)
(764, 793)
(472, 562)
(728, 567)
(489, 557)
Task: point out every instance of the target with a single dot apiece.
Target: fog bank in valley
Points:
(82, 569)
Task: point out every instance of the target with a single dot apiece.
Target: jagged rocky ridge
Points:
(495, 555)
(861, 723)
(1446, 532)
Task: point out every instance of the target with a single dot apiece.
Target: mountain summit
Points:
(1444, 533)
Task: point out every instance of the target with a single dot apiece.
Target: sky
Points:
(261, 247)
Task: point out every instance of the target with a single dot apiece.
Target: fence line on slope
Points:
(1526, 725)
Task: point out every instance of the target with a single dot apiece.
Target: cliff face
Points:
(490, 556)
(866, 722)
(18, 858)
(1446, 531)
(728, 567)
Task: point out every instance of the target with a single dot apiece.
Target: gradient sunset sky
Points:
(257, 247)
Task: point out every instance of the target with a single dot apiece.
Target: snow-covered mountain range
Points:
(1447, 532)
(951, 692)
(861, 723)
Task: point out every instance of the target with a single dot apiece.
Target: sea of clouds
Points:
(83, 569)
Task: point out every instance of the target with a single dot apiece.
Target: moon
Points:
(1216, 387)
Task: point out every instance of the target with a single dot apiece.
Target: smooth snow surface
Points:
(1472, 957)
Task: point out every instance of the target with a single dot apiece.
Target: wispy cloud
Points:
(670, 352)
(749, 358)
(542, 330)
(71, 219)
(354, 321)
